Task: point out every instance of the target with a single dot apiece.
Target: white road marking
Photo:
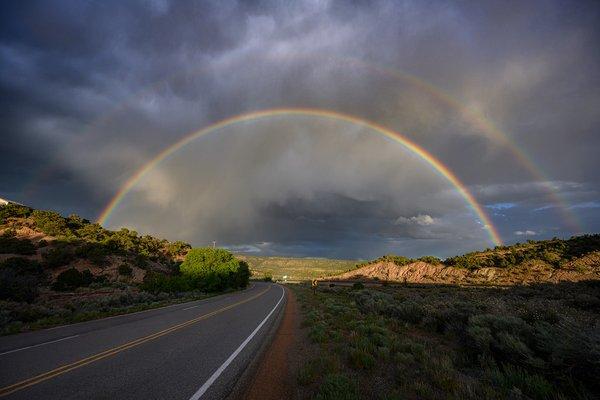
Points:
(222, 368)
(37, 345)
(189, 308)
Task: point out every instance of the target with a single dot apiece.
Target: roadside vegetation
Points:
(448, 342)
(57, 270)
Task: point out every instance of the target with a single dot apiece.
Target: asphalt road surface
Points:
(186, 351)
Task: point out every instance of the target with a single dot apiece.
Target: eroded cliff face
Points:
(584, 268)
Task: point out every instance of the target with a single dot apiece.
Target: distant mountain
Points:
(295, 268)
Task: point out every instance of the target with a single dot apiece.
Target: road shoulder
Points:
(272, 377)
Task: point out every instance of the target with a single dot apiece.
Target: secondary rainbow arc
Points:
(437, 165)
(475, 118)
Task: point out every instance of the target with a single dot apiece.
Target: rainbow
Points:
(473, 117)
(440, 168)
(483, 124)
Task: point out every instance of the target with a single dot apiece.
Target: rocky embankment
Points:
(584, 268)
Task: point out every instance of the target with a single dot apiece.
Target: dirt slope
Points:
(585, 268)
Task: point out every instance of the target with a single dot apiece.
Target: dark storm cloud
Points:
(90, 91)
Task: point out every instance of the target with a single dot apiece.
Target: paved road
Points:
(187, 351)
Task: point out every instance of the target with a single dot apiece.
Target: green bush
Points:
(12, 210)
(216, 269)
(178, 248)
(94, 252)
(72, 279)
(51, 223)
(58, 256)
(93, 233)
(358, 286)
(430, 260)
(161, 283)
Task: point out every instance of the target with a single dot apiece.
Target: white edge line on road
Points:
(189, 308)
(37, 345)
(222, 368)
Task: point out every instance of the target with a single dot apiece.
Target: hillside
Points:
(56, 270)
(550, 261)
(295, 269)
(60, 243)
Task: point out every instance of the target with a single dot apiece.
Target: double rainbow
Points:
(475, 118)
(437, 165)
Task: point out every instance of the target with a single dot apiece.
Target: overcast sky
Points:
(90, 91)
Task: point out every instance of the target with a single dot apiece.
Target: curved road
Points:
(186, 351)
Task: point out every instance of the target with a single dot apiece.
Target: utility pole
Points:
(214, 244)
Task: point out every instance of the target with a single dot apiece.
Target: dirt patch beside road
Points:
(275, 378)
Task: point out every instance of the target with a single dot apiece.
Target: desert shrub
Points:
(17, 287)
(20, 279)
(532, 385)
(12, 210)
(372, 301)
(554, 252)
(430, 260)
(361, 359)
(178, 248)
(92, 233)
(58, 256)
(94, 252)
(358, 286)
(51, 223)
(318, 333)
(216, 269)
(23, 266)
(398, 260)
(141, 261)
(125, 270)
(267, 278)
(13, 245)
(242, 274)
(316, 368)
(71, 279)
(160, 283)
(123, 241)
(75, 222)
(337, 387)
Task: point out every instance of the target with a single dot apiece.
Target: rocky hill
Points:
(45, 241)
(550, 261)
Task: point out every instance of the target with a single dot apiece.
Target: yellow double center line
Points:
(5, 391)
